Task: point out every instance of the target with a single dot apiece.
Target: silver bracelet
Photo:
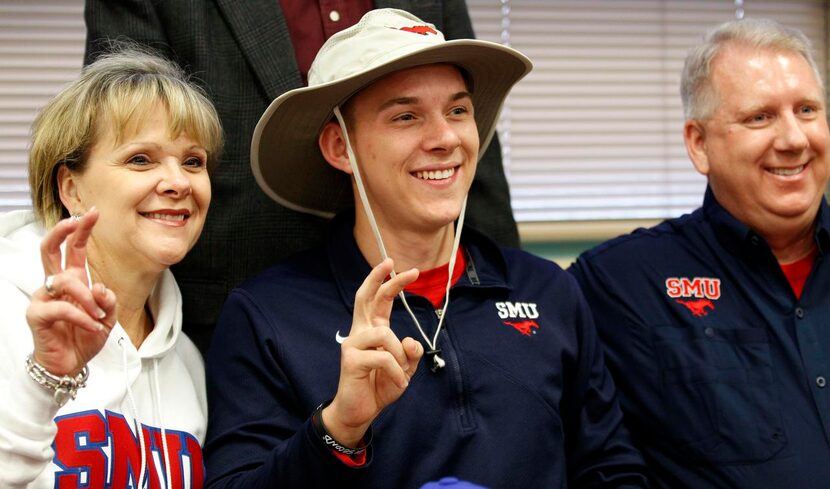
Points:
(64, 387)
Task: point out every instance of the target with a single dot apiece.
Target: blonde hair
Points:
(696, 89)
(120, 88)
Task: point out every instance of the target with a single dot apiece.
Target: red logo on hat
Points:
(420, 29)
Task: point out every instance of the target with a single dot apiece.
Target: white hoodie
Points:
(92, 439)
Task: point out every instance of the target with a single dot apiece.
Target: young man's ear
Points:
(333, 146)
(694, 135)
(68, 190)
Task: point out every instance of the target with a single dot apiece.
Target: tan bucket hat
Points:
(285, 158)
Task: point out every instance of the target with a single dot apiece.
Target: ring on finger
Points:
(49, 285)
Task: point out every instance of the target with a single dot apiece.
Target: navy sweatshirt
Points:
(525, 400)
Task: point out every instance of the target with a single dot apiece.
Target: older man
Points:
(499, 378)
(716, 323)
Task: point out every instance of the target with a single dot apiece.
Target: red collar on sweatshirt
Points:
(432, 284)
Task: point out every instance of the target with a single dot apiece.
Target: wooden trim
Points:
(535, 232)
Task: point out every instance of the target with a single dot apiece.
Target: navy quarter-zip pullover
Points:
(721, 369)
(524, 401)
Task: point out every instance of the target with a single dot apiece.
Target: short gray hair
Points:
(696, 90)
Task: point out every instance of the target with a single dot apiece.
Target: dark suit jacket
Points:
(241, 53)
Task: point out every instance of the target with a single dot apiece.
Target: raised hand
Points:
(375, 367)
(69, 319)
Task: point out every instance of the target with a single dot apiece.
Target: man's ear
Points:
(333, 146)
(694, 135)
(68, 190)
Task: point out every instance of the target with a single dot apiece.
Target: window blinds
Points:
(41, 49)
(594, 131)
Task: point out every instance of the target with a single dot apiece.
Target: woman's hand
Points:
(375, 367)
(69, 320)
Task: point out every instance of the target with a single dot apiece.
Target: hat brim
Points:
(285, 157)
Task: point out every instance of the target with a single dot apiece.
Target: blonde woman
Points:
(98, 384)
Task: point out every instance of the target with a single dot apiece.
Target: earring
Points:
(77, 216)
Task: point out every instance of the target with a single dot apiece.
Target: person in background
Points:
(98, 383)
(246, 53)
(715, 323)
(470, 361)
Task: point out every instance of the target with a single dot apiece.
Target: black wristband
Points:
(324, 436)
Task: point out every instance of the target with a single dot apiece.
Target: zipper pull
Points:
(438, 313)
(437, 362)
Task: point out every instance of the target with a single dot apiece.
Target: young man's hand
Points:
(375, 367)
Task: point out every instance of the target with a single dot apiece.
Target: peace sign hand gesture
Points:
(69, 320)
(375, 367)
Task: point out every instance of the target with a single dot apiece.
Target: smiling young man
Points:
(715, 323)
(486, 366)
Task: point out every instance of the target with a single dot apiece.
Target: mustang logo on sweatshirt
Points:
(523, 313)
(524, 327)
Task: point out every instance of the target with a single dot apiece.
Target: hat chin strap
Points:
(437, 362)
